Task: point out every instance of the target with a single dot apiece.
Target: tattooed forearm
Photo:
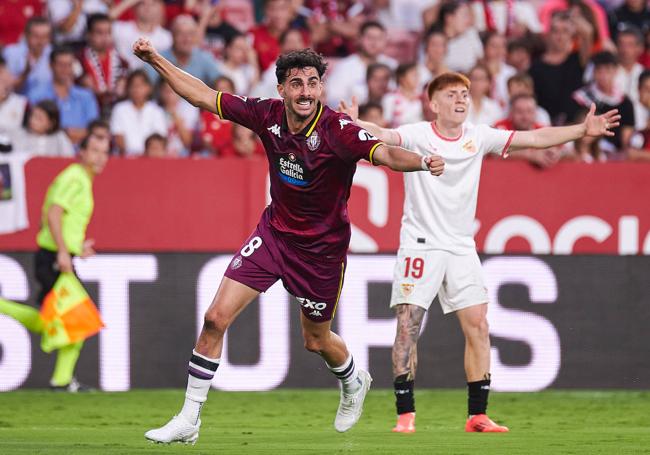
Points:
(409, 321)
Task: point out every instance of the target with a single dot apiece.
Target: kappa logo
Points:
(236, 263)
(275, 129)
(262, 98)
(316, 313)
(313, 141)
(344, 122)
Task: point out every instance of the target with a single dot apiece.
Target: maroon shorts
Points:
(265, 258)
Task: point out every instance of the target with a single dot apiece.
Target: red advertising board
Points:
(212, 205)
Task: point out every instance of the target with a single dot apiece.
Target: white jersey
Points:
(439, 211)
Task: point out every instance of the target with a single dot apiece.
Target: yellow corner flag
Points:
(68, 314)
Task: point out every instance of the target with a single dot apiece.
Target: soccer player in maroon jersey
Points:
(303, 235)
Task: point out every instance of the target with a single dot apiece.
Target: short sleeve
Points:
(408, 135)
(66, 191)
(352, 143)
(248, 112)
(492, 140)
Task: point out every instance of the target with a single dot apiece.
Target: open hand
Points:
(435, 164)
(352, 110)
(600, 125)
(88, 249)
(144, 50)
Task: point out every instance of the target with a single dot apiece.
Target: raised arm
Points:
(402, 160)
(389, 136)
(186, 85)
(593, 125)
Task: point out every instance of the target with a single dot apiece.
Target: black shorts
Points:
(46, 271)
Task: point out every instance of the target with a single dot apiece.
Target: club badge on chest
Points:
(313, 141)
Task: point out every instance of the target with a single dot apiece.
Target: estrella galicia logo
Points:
(292, 170)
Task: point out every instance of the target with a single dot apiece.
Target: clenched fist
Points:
(144, 50)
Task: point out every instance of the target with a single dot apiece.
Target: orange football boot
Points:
(481, 423)
(405, 423)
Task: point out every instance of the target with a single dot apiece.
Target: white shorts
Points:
(420, 275)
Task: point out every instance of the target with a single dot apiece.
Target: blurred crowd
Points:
(66, 68)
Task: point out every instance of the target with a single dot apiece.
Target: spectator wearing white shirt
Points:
(240, 64)
(435, 51)
(70, 16)
(404, 105)
(464, 48)
(136, 118)
(630, 46)
(509, 17)
(348, 78)
(482, 110)
(12, 105)
(182, 119)
(495, 49)
(149, 17)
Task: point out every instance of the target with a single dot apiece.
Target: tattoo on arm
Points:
(409, 321)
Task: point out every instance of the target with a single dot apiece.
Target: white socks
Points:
(201, 371)
(347, 374)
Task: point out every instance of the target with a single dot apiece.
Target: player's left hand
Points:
(435, 164)
(88, 249)
(601, 125)
(351, 109)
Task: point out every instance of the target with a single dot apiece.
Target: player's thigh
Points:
(417, 277)
(463, 286)
(316, 284)
(230, 300)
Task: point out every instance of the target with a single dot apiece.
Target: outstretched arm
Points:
(402, 160)
(186, 85)
(593, 126)
(389, 136)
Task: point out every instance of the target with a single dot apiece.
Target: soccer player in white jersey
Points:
(437, 254)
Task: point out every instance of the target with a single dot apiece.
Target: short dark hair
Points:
(136, 74)
(364, 108)
(521, 96)
(604, 58)
(644, 76)
(36, 20)
(632, 30)
(371, 24)
(60, 50)
(287, 32)
(98, 123)
(155, 137)
(51, 109)
(374, 67)
(403, 69)
(299, 59)
(430, 33)
(85, 142)
(96, 19)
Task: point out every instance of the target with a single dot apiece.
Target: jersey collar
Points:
(310, 127)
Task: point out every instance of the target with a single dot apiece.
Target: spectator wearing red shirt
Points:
(15, 14)
(335, 25)
(266, 36)
(244, 144)
(216, 133)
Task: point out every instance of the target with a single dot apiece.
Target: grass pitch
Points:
(300, 421)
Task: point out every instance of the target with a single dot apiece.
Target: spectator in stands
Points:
(149, 17)
(372, 112)
(291, 40)
(588, 17)
(606, 96)
(214, 132)
(182, 120)
(101, 129)
(519, 55)
(214, 30)
(266, 35)
(28, 60)
(482, 109)
(495, 60)
(240, 64)
(510, 18)
(522, 117)
(348, 77)
(41, 135)
(244, 144)
(104, 70)
(335, 25)
(404, 105)
(639, 149)
(522, 84)
(435, 51)
(70, 18)
(378, 80)
(629, 44)
(15, 15)
(631, 13)
(558, 73)
(77, 105)
(155, 146)
(186, 54)
(12, 105)
(136, 118)
(464, 48)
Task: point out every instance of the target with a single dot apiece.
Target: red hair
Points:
(445, 80)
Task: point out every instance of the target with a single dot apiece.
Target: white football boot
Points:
(178, 429)
(351, 405)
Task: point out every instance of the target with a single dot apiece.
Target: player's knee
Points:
(314, 343)
(215, 321)
(477, 328)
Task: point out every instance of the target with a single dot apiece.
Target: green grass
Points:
(292, 421)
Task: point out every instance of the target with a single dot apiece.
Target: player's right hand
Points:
(144, 50)
(64, 261)
(435, 164)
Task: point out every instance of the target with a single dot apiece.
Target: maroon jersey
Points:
(311, 172)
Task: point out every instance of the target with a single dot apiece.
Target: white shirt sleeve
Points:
(492, 140)
(409, 134)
